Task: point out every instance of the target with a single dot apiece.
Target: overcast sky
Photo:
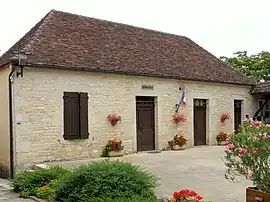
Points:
(220, 26)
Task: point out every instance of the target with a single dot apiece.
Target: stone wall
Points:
(39, 101)
(4, 117)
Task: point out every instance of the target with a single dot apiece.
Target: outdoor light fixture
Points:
(22, 62)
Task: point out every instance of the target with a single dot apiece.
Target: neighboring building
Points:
(262, 93)
(79, 70)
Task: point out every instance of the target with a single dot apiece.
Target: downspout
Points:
(18, 61)
(11, 146)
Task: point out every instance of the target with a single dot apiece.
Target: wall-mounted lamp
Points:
(21, 62)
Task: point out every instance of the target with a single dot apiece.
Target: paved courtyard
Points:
(200, 169)
(7, 194)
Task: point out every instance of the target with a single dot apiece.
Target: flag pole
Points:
(180, 101)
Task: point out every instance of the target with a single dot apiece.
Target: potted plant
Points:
(224, 117)
(113, 148)
(248, 154)
(221, 138)
(186, 195)
(178, 118)
(178, 142)
(114, 118)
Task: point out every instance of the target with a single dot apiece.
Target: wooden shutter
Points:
(71, 116)
(84, 116)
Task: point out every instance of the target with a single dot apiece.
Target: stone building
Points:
(77, 70)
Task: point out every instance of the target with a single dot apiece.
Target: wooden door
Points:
(145, 123)
(199, 122)
(237, 114)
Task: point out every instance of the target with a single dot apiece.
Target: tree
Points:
(256, 66)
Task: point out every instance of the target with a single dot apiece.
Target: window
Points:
(75, 115)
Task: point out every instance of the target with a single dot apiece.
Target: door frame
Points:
(155, 128)
(208, 120)
(242, 111)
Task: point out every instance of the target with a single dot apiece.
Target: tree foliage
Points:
(256, 66)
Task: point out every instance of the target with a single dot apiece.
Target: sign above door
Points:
(149, 87)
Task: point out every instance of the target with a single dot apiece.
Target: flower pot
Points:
(116, 153)
(222, 143)
(177, 147)
(113, 122)
(254, 195)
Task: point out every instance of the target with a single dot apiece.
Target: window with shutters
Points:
(75, 115)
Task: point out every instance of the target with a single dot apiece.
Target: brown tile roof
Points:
(261, 88)
(68, 41)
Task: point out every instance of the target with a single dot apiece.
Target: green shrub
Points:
(111, 179)
(4, 171)
(40, 183)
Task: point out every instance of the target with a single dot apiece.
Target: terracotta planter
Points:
(177, 147)
(115, 154)
(254, 195)
(222, 143)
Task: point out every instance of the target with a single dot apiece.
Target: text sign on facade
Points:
(149, 87)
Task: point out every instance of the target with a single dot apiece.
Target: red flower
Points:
(179, 118)
(176, 194)
(186, 195)
(179, 140)
(192, 193)
(224, 117)
(222, 136)
(114, 118)
(116, 145)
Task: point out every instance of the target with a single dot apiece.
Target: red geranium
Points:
(115, 145)
(186, 195)
(114, 118)
(224, 117)
(221, 136)
(179, 118)
(179, 140)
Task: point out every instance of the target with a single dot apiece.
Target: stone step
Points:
(5, 189)
(40, 166)
(6, 186)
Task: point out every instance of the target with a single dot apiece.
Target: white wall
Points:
(39, 100)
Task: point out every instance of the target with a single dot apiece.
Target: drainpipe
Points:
(18, 61)
(11, 146)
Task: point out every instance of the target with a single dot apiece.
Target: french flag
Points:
(182, 101)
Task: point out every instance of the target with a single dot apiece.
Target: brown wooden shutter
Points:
(84, 116)
(71, 116)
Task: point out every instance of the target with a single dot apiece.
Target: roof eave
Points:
(4, 64)
(86, 69)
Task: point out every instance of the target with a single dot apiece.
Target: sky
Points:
(220, 26)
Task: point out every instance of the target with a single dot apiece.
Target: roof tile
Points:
(261, 88)
(65, 40)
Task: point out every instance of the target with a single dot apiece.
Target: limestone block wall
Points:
(39, 101)
(4, 117)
